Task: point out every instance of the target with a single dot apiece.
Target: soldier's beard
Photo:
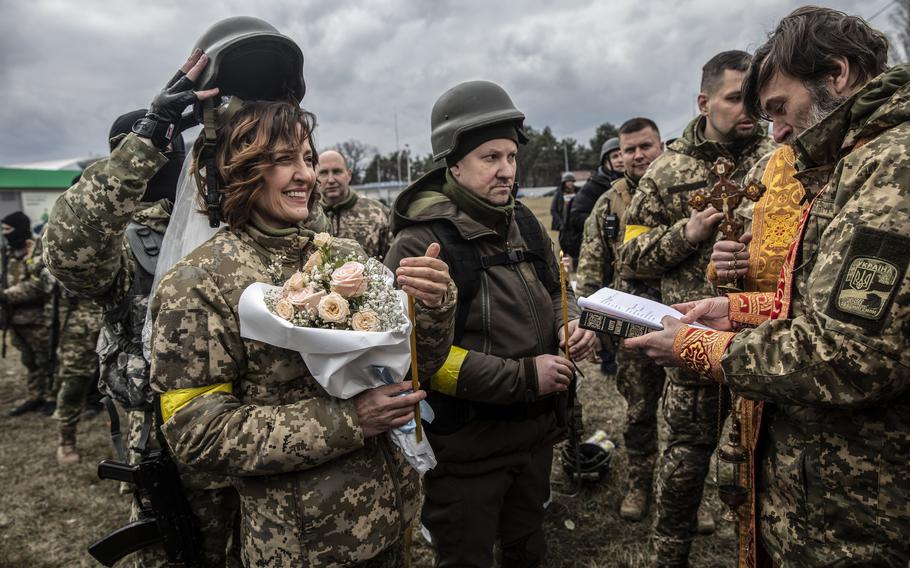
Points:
(822, 104)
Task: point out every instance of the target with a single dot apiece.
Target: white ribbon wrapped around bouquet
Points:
(344, 362)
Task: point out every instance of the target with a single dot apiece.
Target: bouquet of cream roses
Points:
(339, 293)
(348, 323)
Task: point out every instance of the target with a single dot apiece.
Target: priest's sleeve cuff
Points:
(701, 350)
(751, 308)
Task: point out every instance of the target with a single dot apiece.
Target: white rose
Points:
(322, 239)
(284, 310)
(314, 261)
(294, 283)
(349, 280)
(365, 320)
(307, 298)
(333, 308)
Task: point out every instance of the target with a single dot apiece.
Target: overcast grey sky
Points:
(68, 68)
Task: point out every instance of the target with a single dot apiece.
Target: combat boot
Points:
(66, 448)
(705, 520)
(635, 504)
(30, 405)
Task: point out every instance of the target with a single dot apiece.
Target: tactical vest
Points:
(123, 367)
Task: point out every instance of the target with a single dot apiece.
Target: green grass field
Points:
(50, 514)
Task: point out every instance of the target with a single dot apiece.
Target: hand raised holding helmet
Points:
(160, 124)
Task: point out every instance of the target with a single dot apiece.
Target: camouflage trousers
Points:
(691, 412)
(216, 504)
(395, 556)
(77, 361)
(467, 514)
(33, 343)
(641, 382)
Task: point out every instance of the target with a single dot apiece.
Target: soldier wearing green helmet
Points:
(499, 398)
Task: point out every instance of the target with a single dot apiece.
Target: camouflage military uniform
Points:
(29, 316)
(493, 435)
(655, 243)
(640, 381)
(360, 219)
(85, 249)
(834, 471)
(314, 492)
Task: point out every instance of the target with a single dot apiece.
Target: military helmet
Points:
(250, 59)
(468, 106)
(591, 462)
(568, 176)
(608, 146)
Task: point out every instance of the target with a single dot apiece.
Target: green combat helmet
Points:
(468, 106)
(608, 146)
(250, 59)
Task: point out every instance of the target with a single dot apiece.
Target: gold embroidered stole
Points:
(776, 220)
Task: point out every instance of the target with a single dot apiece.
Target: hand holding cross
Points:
(725, 196)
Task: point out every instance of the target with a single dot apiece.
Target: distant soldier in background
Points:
(79, 321)
(562, 200)
(610, 169)
(27, 313)
(351, 216)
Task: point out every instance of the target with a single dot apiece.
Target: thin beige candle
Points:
(565, 305)
(415, 379)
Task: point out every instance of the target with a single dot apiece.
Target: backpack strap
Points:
(536, 244)
(465, 266)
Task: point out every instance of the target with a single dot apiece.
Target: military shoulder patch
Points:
(869, 278)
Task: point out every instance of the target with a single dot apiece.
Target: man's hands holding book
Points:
(712, 312)
(658, 345)
(581, 341)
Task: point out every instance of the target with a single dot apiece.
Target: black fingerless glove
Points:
(160, 123)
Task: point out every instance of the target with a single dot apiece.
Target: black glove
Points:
(161, 121)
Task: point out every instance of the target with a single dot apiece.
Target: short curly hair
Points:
(806, 45)
(248, 145)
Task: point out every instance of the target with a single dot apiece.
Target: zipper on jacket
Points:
(399, 501)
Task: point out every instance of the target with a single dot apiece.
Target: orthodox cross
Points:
(726, 196)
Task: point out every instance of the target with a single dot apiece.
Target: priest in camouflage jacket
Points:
(828, 351)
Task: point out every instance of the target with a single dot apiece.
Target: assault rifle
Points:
(165, 515)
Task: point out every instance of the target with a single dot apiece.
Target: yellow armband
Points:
(633, 231)
(445, 380)
(174, 400)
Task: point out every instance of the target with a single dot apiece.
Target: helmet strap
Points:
(207, 156)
